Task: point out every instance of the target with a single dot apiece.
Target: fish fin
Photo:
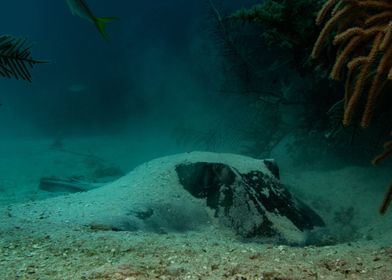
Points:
(100, 23)
(71, 8)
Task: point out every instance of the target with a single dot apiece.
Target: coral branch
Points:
(357, 27)
(387, 200)
(362, 30)
(386, 153)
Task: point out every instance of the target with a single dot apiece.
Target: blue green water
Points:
(162, 84)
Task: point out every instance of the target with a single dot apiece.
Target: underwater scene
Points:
(198, 139)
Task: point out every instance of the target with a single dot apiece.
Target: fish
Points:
(77, 87)
(81, 9)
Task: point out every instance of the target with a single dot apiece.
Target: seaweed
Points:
(16, 60)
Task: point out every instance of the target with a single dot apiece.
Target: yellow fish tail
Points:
(100, 23)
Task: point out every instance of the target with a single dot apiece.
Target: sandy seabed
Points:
(83, 254)
(60, 251)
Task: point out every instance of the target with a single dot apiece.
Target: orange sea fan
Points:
(362, 30)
